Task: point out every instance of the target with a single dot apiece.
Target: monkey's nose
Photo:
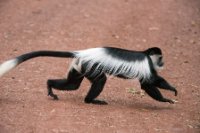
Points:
(161, 64)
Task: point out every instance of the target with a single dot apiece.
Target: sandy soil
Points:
(28, 25)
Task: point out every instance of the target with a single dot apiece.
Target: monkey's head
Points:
(155, 54)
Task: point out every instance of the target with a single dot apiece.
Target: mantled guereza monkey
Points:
(96, 63)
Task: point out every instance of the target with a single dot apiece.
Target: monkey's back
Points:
(114, 61)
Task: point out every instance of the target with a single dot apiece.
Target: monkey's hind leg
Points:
(96, 88)
(72, 82)
(50, 91)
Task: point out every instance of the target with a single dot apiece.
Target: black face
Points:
(160, 61)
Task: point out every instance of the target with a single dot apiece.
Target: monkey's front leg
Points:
(163, 84)
(155, 93)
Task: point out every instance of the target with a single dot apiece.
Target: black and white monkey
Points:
(96, 63)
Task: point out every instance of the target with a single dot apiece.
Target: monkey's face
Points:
(157, 61)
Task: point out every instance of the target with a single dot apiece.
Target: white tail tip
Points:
(7, 66)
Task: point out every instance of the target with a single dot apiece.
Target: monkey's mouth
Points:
(160, 66)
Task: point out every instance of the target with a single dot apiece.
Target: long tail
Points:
(10, 64)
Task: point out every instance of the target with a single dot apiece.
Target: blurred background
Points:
(29, 25)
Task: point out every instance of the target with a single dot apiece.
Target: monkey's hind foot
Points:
(55, 97)
(97, 102)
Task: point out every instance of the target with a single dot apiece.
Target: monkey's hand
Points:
(175, 91)
(171, 101)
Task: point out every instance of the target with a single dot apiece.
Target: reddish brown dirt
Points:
(27, 25)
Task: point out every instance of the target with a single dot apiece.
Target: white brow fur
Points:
(112, 65)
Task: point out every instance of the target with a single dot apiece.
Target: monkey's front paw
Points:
(176, 92)
(172, 101)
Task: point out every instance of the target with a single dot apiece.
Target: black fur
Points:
(30, 55)
(151, 89)
(153, 51)
(124, 54)
(96, 88)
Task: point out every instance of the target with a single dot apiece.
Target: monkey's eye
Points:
(160, 62)
(160, 58)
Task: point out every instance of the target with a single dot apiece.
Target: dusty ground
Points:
(27, 25)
